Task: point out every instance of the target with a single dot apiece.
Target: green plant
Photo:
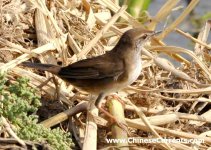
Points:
(19, 104)
(137, 8)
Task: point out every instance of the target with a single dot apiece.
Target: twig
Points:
(166, 131)
(64, 115)
(147, 123)
(11, 132)
(187, 35)
(88, 47)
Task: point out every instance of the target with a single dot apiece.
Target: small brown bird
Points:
(106, 73)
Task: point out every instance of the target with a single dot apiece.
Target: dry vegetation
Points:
(176, 101)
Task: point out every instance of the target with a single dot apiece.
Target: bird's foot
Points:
(57, 93)
(120, 124)
(115, 96)
(114, 120)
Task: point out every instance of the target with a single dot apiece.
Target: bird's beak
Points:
(156, 33)
(149, 34)
(153, 34)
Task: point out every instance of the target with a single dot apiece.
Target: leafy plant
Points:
(137, 8)
(19, 104)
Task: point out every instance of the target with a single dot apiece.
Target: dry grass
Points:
(176, 101)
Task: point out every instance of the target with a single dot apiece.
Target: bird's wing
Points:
(44, 67)
(94, 68)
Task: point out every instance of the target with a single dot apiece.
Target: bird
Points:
(107, 73)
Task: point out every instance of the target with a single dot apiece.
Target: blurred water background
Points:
(192, 24)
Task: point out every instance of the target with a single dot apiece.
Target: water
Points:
(174, 38)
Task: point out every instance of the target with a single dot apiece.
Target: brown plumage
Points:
(106, 73)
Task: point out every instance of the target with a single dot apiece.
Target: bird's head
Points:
(137, 36)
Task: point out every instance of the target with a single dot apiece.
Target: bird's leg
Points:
(98, 105)
(44, 83)
(115, 96)
(57, 93)
(56, 96)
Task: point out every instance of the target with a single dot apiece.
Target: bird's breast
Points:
(132, 71)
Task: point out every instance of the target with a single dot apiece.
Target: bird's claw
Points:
(120, 124)
(115, 96)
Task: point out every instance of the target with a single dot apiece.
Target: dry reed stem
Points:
(169, 111)
(162, 62)
(155, 84)
(116, 109)
(24, 57)
(125, 14)
(166, 131)
(174, 49)
(192, 91)
(182, 16)
(164, 11)
(187, 35)
(180, 91)
(73, 44)
(203, 37)
(177, 57)
(160, 119)
(202, 118)
(59, 118)
(90, 139)
(88, 47)
(40, 4)
(11, 132)
(17, 47)
(42, 37)
(200, 99)
(148, 125)
(112, 28)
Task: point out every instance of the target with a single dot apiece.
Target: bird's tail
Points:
(44, 67)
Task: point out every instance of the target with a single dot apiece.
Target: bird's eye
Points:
(144, 36)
